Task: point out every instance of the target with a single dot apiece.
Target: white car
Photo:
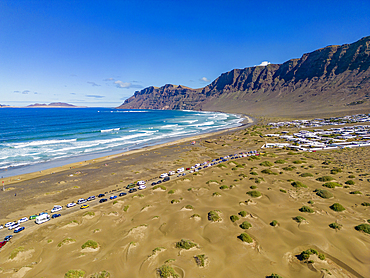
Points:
(141, 182)
(16, 225)
(24, 219)
(180, 170)
(7, 225)
(81, 200)
(56, 208)
(1, 227)
(71, 205)
(171, 173)
(163, 175)
(142, 187)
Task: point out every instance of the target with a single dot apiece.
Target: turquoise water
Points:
(48, 137)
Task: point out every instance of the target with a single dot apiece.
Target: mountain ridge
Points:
(333, 78)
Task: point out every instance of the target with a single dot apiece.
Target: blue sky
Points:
(98, 53)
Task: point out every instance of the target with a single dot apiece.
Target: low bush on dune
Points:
(280, 161)
(274, 275)
(305, 255)
(365, 204)
(234, 218)
(159, 186)
(289, 168)
(216, 194)
(335, 226)
(324, 193)
(195, 215)
(200, 260)
(335, 171)
(350, 182)
(351, 176)
(254, 173)
(15, 252)
(243, 213)
(282, 190)
(304, 175)
(310, 202)
(90, 244)
(253, 187)
(171, 191)
(189, 207)
(165, 271)
(101, 274)
(299, 219)
(273, 223)
(66, 241)
(325, 178)
(213, 216)
(88, 213)
(185, 244)
(175, 201)
(223, 187)
(245, 237)
(298, 184)
(363, 228)
(306, 209)
(254, 157)
(74, 274)
(268, 171)
(266, 163)
(337, 207)
(332, 184)
(125, 208)
(355, 192)
(254, 193)
(298, 162)
(245, 225)
(221, 165)
(212, 181)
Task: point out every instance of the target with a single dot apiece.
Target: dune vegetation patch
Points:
(245, 238)
(355, 192)
(234, 218)
(274, 275)
(189, 207)
(90, 244)
(365, 204)
(185, 244)
(245, 225)
(289, 168)
(274, 223)
(335, 171)
(171, 191)
(298, 184)
(242, 213)
(280, 161)
(299, 219)
(363, 228)
(74, 274)
(166, 271)
(325, 178)
(266, 164)
(254, 193)
(323, 193)
(213, 216)
(304, 175)
(350, 182)
(15, 252)
(89, 213)
(212, 182)
(101, 274)
(160, 187)
(200, 260)
(335, 226)
(175, 201)
(67, 240)
(305, 255)
(125, 208)
(306, 209)
(223, 187)
(216, 194)
(337, 207)
(332, 184)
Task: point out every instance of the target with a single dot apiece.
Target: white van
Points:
(163, 175)
(42, 218)
(180, 170)
(140, 182)
(171, 173)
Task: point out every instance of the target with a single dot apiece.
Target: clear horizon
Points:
(98, 54)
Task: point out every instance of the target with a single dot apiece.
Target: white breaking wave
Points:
(109, 130)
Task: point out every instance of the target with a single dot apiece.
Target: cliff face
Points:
(331, 79)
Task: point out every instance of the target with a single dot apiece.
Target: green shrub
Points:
(306, 209)
(195, 215)
(324, 193)
(125, 208)
(171, 191)
(245, 225)
(223, 187)
(365, 204)
(216, 194)
(200, 260)
(90, 244)
(234, 218)
(289, 168)
(159, 186)
(253, 187)
(253, 173)
(213, 216)
(89, 213)
(305, 255)
(266, 163)
(245, 238)
(175, 201)
(299, 219)
(298, 184)
(337, 207)
(254, 157)
(185, 244)
(189, 207)
(165, 271)
(321, 256)
(332, 184)
(274, 275)
(363, 228)
(304, 175)
(242, 213)
(66, 241)
(355, 192)
(74, 273)
(292, 153)
(335, 226)
(351, 176)
(221, 165)
(15, 252)
(267, 171)
(274, 223)
(298, 162)
(350, 182)
(310, 202)
(254, 193)
(325, 178)
(280, 161)
(282, 190)
(101, 274)
(335, 171)
(211, 181)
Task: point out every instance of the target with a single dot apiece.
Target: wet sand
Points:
(137, 234)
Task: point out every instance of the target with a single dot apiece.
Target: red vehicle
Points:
(2, 243)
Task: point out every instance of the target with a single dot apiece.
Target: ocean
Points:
(34, 139)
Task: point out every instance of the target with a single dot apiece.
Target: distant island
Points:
(43, 105)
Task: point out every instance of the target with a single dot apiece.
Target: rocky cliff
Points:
(331, 79)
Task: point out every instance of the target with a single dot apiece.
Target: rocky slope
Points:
(331, 79)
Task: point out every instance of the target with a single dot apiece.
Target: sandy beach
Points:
(138, 234)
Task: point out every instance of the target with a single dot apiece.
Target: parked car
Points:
(132, 190)
(166, 179)
(2, 243)
(112, 197)
(1, 226)
(153, 183)
(32, 217)
(7, 238)
(19, 229)
(71, 205)
(56, 215)
(101, 195)
(56, 208)
(163, 175)
(122, 194)
(24, 219)
(103, 200)
(81, 201)
(131, 185)
(42, 213)
(16, 225)
(84, 206)
(7, 225)
(140, 183)
(91, 198)
(141, 187)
